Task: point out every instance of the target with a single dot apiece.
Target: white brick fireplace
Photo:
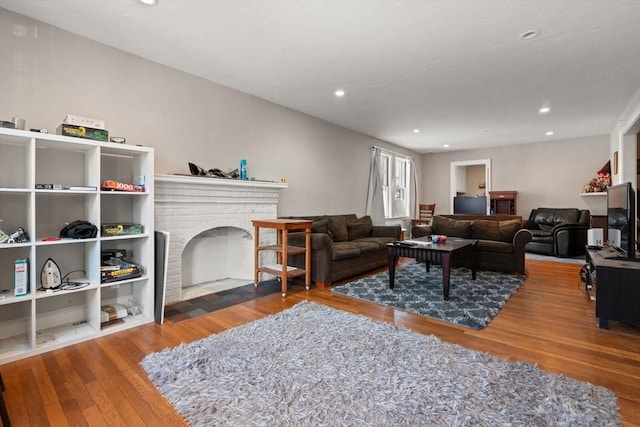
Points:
(190, 207)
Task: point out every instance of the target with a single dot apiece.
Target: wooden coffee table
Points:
(437, 253)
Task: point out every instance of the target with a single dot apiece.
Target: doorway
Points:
(458, 171)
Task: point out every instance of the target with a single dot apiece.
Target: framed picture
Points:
(615, 162)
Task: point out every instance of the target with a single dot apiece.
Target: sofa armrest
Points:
(319, 241)
(321, 247)
(386, 231)
(421, 231)
(569, 239)
(568, 226)
(521, 238)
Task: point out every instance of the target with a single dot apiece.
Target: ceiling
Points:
(456, 70)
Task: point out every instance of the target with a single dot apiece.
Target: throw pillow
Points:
(501, 231)
(321, 226)
(338, 228)
(451, 227)
(359, 228)
(485, 229)
(508, 229)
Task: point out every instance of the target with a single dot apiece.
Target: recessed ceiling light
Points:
(446, 145)
(544, 110)
(530, 34)
(549, 133)
(339, 93)
(149, 2)
(416, 131)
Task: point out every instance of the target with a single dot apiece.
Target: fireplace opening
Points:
(216, 260)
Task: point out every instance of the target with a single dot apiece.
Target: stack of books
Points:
(83, 127)
(115, 267)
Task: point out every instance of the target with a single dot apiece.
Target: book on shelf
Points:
(80, 187)
(83, 132)
(84, 121)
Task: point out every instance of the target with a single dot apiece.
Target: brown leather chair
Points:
(425, 215)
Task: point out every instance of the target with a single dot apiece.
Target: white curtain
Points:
(414, 206)
(375, 201)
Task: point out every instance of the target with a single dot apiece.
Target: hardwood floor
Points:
(549, 321)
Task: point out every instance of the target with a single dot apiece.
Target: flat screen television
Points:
(470, 205)
(621, 219)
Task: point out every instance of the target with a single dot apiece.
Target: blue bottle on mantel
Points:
(243, 169)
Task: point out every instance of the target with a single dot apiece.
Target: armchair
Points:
(558, 232)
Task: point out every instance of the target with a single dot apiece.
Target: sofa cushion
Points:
(344, 250)
(545, 227)
(541, 233)
(321, 226)
(508, 229)
(359, 228)
(501, 231)
(379, 242)
(541, 236)
(549, 216)
(338, 228)
(366, 246)
(485, 229)
(451, 227)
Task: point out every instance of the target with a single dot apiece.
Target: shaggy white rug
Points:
(315, 365)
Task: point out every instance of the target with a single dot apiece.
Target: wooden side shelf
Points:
(276, 270)
(284, 228)
(503, 202)
(291, 250)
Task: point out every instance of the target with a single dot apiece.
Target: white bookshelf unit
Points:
(45, 320)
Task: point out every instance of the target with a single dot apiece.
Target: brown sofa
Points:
(501, 239)
(343, 246)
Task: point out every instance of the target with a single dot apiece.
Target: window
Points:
(396, 182)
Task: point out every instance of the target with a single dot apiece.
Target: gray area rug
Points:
(472, 303)
(313, 365)
(575, 260)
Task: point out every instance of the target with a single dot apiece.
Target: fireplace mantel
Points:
(191, 180)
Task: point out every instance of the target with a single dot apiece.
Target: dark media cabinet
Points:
(617, 284)
(503, 202)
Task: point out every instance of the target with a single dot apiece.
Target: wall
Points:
(475, 176)
(623, 139)
(47, 73)
(545, 174)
